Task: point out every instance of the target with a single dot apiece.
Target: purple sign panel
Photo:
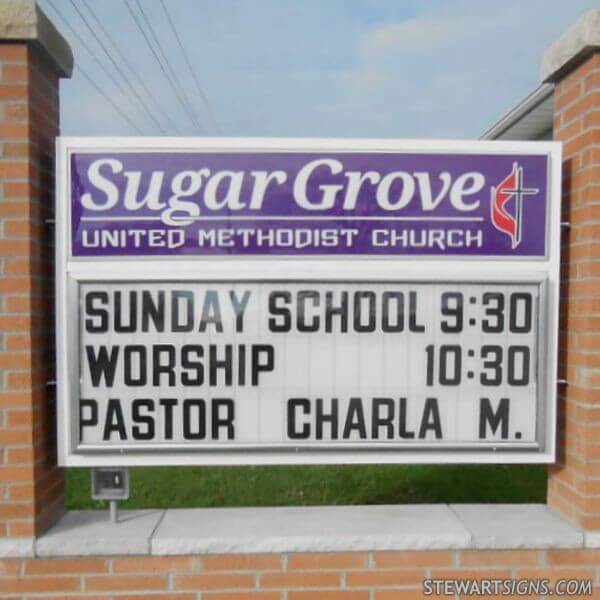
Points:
(308, 203)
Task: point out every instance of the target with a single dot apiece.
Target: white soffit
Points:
(530, 120)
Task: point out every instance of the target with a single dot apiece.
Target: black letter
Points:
(402, 431)
(283, 312)
(119, 326)
(495, 419)
(226, 421)
(239, 307)
(196, 374)
(102, 327)
(168, 403)
(102, 365)
(304, 404)
(128, 367)
(93, 418)
(113, 412)
(257, 365)
(379, 421)
(226, 364)
(301, 322)
(331, 311)
(412, 318)
(147, 420)
(158, 369)
(211, 312)
(386, 324)
(153, 312)
(188, 434)
(331, 418)
(431, 419)
(370, 326)
(355, 419)
(188, 298)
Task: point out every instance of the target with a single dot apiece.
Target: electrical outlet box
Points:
(110, 484)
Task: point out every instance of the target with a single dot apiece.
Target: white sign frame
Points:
(70, 271)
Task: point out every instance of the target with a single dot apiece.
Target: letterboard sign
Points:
(260, 301)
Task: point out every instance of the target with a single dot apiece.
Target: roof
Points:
(531, 119)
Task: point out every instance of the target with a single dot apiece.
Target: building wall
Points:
(574, 484)
(31, 486)
(329, 576)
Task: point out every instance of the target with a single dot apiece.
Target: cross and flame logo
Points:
(510, 187)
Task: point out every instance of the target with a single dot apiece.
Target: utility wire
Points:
(98, 61)
(173, 74)
(189, 66)
(158, 60)
(109, 100)
(132, 70)
(116, 66)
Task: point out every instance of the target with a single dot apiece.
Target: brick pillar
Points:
(573, 64)
(33, 56)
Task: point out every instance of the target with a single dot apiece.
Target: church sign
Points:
(268, 301)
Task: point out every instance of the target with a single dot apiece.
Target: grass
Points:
(176, 487)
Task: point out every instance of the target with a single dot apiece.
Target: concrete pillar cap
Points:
(573, 46)
(23, 21)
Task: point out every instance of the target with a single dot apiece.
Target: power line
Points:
(189, 65)
(132, 70)
(108, 99)
(173, 74)
(98, 61)
(157, 58)
(116, 66)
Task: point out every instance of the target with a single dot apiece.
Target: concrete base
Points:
(307, 529)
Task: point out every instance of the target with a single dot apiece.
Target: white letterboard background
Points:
(312, 365)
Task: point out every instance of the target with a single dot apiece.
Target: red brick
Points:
(12, 91)
(15, 360)
(404, 594)
(553, 573)
(241, 562)
(151, 564)
(13, 130)
(214, 582)
(327, 560)
(333, 595)
(385, 577)
(498, 558)
(18, 341)
(241, 596)
(15, 113)
(151, 596)
(591, 82)
(10, 474)
(15, 150)
(33, 585)
(14, 72)
(23, 529)
(425, 558)
(17, 229)
(13, 52)
(108, 583)
(15, 511)
(568, 96)
(300, 579)
(21, 492)
(56, 566)
(18, 189)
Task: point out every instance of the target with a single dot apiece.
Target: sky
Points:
(305, 68)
